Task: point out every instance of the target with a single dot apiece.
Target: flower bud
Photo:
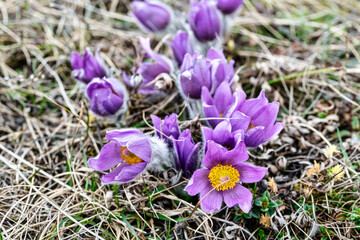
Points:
(204, 20)
(228, 6)
(195, 74)
(152, 15)
(108, 97)
(180, 46)
(88, 67)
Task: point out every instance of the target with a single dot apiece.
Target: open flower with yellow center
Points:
(129, 150)
(220, 180)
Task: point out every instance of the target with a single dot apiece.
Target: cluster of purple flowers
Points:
(216, 165)
(107, 95)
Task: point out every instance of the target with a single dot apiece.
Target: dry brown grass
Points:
(305, 53)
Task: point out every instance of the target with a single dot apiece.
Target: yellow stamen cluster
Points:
(221, 115)
(223, 177)
(250, 126)
(129, 157)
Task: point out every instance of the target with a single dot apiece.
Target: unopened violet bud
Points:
(180, 46)
(204, 20)
(108, 97)
(88, 66)
(129, 152)
(195, 74)
(153, 15)
(186, 153)
(149, 70)
(167, 127)
(228, 6)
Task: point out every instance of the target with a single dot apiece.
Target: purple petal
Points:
(240, 196)
(255, 136)
(214, 155)
(228, 6)
(222, 134)
(267, 115)
(157, 124)
(223, 97)
(141, 148)
(154, 15)
(251, 106)
(198, 181)
(110, 177)
(273, 131)
(250, 173)
(129, 172)
(77, 61)
(211, 200)
(239, 121)
(124, 135)
(110, 156)
(237, 155)
(192, 161)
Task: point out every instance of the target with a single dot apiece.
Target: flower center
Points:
(223, 177)
(250, 126)
(221, 115)
(129, 157)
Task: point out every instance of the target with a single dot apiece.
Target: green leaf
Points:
(128, 225)
(272, 205)
(355, 124)
(266, 194)
(258, 201)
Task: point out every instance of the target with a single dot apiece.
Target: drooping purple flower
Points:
(221, 69)
(152, 15)
(149, 70)
(167, 127)
(128, 150)
(222, 134)
(228, 6)
(186, 153)
(263, 115)
(219, 181)
(108, 97)
(195, 74)
(223, 105)
(180, 46)
(88, 67)
(204, 20)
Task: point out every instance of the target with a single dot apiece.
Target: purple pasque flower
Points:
(149, 70)
(152, 15)
(222, 134)
(88, 66)
(180, 46)
(195, 74)
(204, 20)
(108, 97)
(186, 153)
(263, 115)
(220, 180)
(228, 6)
(221, 69)
(128, 150)
(224, 105)
(167, 127)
